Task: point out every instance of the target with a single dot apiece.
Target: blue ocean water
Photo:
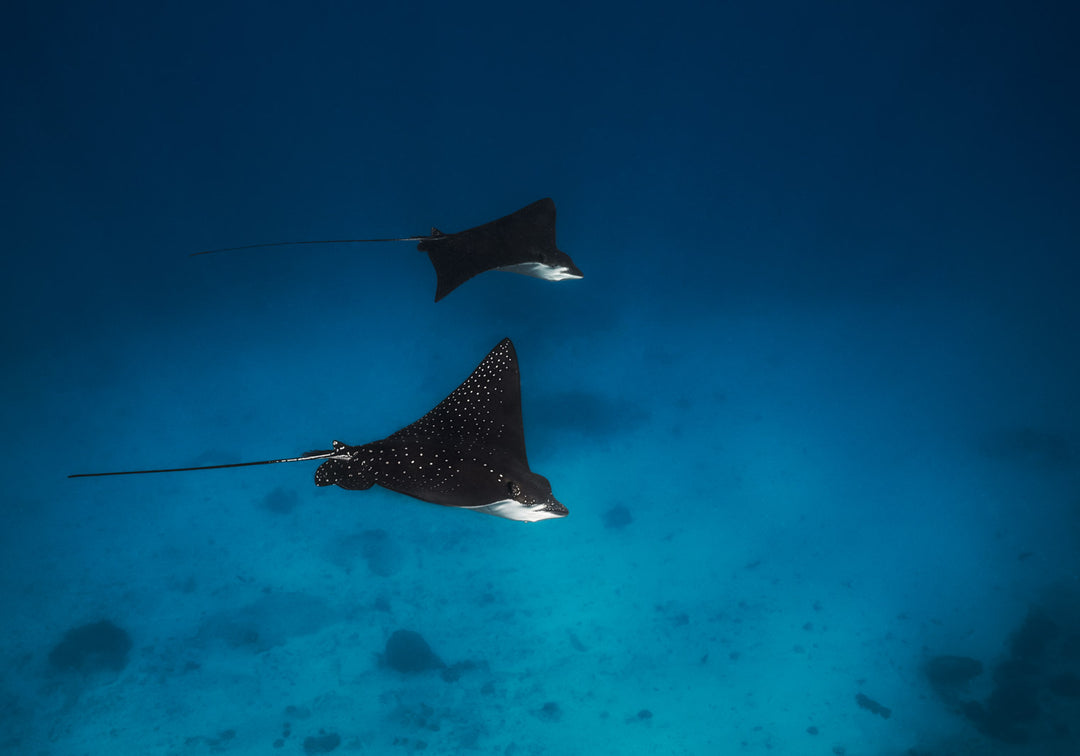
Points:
(813, 407)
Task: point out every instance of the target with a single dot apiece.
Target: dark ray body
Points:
(468, 452)
(521, 242)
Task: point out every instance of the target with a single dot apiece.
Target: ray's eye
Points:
(513, 489)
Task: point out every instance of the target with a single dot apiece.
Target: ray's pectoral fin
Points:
(349, 468)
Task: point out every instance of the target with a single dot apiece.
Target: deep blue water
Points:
(813, 407)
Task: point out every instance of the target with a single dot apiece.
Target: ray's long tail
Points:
(319, 241)
(301, 458)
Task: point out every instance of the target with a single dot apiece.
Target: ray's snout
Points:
(557, 509)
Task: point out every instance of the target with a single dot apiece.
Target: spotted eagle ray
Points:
(521, 242)
(468, 452)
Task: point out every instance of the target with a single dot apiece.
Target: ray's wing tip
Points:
(545, 205)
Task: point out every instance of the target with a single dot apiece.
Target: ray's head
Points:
(559, 267)
(528, 499)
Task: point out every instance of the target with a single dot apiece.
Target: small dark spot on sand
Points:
(407, 651)
(322, 743)
(91, 648)
(550, 712)
(617, 518)
(281, 500)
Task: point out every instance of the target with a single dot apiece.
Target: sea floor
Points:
(734, 572)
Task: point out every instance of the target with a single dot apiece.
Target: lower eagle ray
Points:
(467, 453)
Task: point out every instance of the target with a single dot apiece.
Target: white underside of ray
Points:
(512, 509)
(539, 270)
